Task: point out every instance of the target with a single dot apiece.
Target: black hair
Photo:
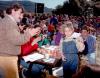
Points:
(36, 25)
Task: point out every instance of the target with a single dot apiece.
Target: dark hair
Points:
(16, 7)
(85, 28)
(36, 25)
(26, 26)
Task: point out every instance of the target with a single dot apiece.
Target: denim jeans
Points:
(70, 66)
(91, 58)
(2, 73)
(36, 68)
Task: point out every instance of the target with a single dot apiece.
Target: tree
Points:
(69, 8)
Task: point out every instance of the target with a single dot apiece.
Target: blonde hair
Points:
(68, 25)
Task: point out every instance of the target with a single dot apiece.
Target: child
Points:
(69, 47)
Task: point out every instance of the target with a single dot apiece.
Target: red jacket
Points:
(27, 48)
(51, 28)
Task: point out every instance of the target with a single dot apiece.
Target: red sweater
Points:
(27, 48)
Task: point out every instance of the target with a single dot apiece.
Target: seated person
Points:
(91, 44)
(28, 48)
(44, 40)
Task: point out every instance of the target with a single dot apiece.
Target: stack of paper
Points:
(33, 57)
(49, 47)
(50, 60)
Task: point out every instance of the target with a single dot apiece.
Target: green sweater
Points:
(45, 41)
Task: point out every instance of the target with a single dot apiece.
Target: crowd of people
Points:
(23, 33)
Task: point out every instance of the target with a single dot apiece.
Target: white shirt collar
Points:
(74, 35)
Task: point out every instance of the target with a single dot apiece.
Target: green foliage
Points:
(69, 8)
